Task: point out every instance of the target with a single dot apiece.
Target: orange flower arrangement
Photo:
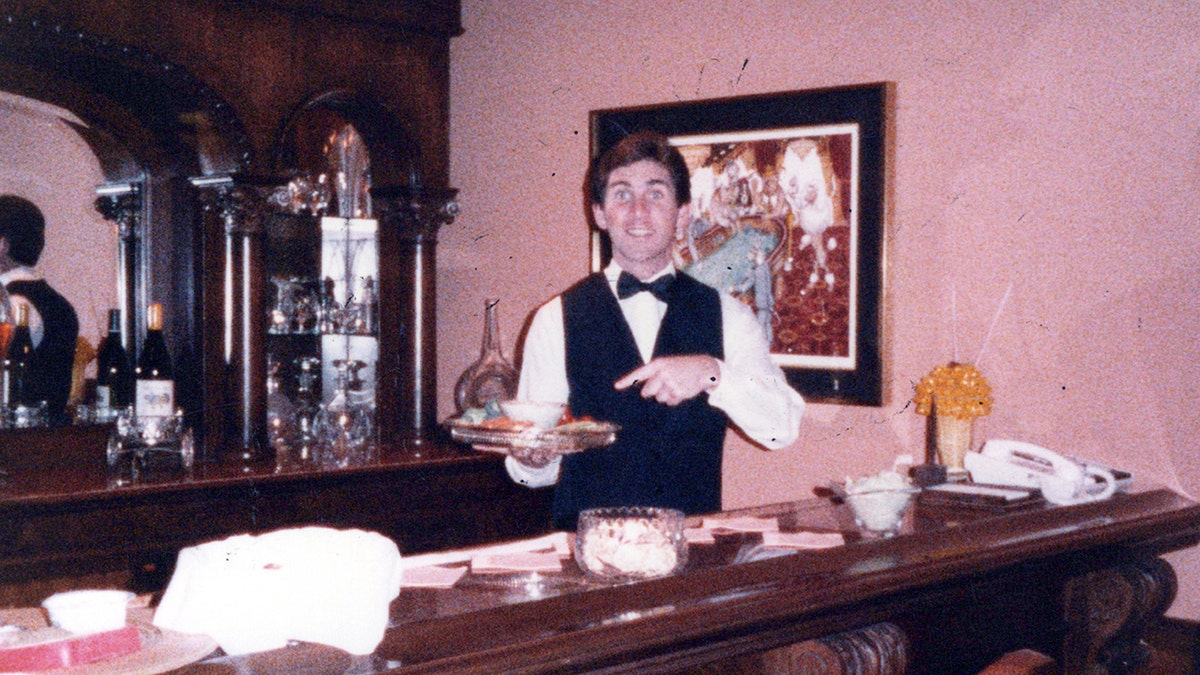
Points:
(959, 389)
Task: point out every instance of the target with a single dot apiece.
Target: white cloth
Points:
(313, 584)
(752, 390)
(36, 326)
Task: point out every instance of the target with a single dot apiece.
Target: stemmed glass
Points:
(309, 414)
(284, 311)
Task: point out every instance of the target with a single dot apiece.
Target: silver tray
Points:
(561, 440)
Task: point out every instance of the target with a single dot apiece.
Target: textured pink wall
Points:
(48, 163)
(1050, 146)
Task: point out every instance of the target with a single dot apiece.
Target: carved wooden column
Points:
(122, 204)
(409, 219)
(1108, 613)
(880, 649)
(240, 210)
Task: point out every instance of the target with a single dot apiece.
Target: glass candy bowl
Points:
(620, 544)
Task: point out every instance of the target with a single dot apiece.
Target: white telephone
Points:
(1061, 480)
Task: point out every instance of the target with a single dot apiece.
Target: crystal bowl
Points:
(881, 511)
(619, 544)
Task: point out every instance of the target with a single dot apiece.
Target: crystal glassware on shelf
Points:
(492, 378)
(283, 312)
(329, 313)
(281, 415)
(366, 309)
(347, 426)
(309, 412)
(152, 444)
(307, 310)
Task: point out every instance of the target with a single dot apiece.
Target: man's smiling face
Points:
(642, 217)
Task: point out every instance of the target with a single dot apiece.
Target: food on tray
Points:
(496, 420)
(492, 431)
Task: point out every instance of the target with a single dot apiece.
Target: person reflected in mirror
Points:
(53, 324)
(672, 361)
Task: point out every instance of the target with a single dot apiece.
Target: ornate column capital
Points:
(416, 212)
(121, 204)
(241, 206)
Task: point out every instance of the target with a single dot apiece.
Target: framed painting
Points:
(788, 207)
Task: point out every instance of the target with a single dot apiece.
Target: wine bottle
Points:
(155, 386)
(6, 329)
(114, 372)
(18, 361)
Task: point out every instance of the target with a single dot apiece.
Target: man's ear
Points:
(598, 216)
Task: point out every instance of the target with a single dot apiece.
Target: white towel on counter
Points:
(313, 584)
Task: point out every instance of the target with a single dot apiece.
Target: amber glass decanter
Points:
(492, 378)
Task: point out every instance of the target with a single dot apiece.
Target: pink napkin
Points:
(803, 539)
(517, 562)
(742, 524)
(699, 535)
(432, 577)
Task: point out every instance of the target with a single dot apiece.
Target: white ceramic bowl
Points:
(541, 414)
(618, 544)
(88, 611)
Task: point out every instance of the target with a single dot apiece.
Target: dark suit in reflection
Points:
(54, 355)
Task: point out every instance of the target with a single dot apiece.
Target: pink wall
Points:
(48, 163)
(1047, 145)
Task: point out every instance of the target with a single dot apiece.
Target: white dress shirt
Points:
(752, 389)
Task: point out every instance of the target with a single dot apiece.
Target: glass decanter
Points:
(492, 378)
(346, 427)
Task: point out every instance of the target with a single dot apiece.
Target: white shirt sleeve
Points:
(543, 378)
(753, 390)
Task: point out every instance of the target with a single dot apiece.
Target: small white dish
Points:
(88, 611)
(541, 414)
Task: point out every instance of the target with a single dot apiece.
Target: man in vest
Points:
(53, 325)
(670, 360)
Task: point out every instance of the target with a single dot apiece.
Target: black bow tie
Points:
(628, 285)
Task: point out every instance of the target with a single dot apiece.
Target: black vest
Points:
(664, 456)
(55, 354)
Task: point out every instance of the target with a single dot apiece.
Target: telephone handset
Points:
(1061, 480)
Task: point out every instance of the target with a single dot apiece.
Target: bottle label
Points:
(155, 398)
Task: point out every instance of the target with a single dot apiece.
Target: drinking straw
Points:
(991, 328)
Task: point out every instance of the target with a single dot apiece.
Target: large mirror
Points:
(109, 141)
(44, 160)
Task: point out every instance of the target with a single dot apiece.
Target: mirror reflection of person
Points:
(673, 372)
(53, 324)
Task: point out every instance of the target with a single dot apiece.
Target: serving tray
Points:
(561, 440)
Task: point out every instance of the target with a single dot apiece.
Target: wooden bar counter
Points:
(954, 591)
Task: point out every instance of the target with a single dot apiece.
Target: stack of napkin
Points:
(313, 584)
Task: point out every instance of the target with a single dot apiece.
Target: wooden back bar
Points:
(76, 526)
